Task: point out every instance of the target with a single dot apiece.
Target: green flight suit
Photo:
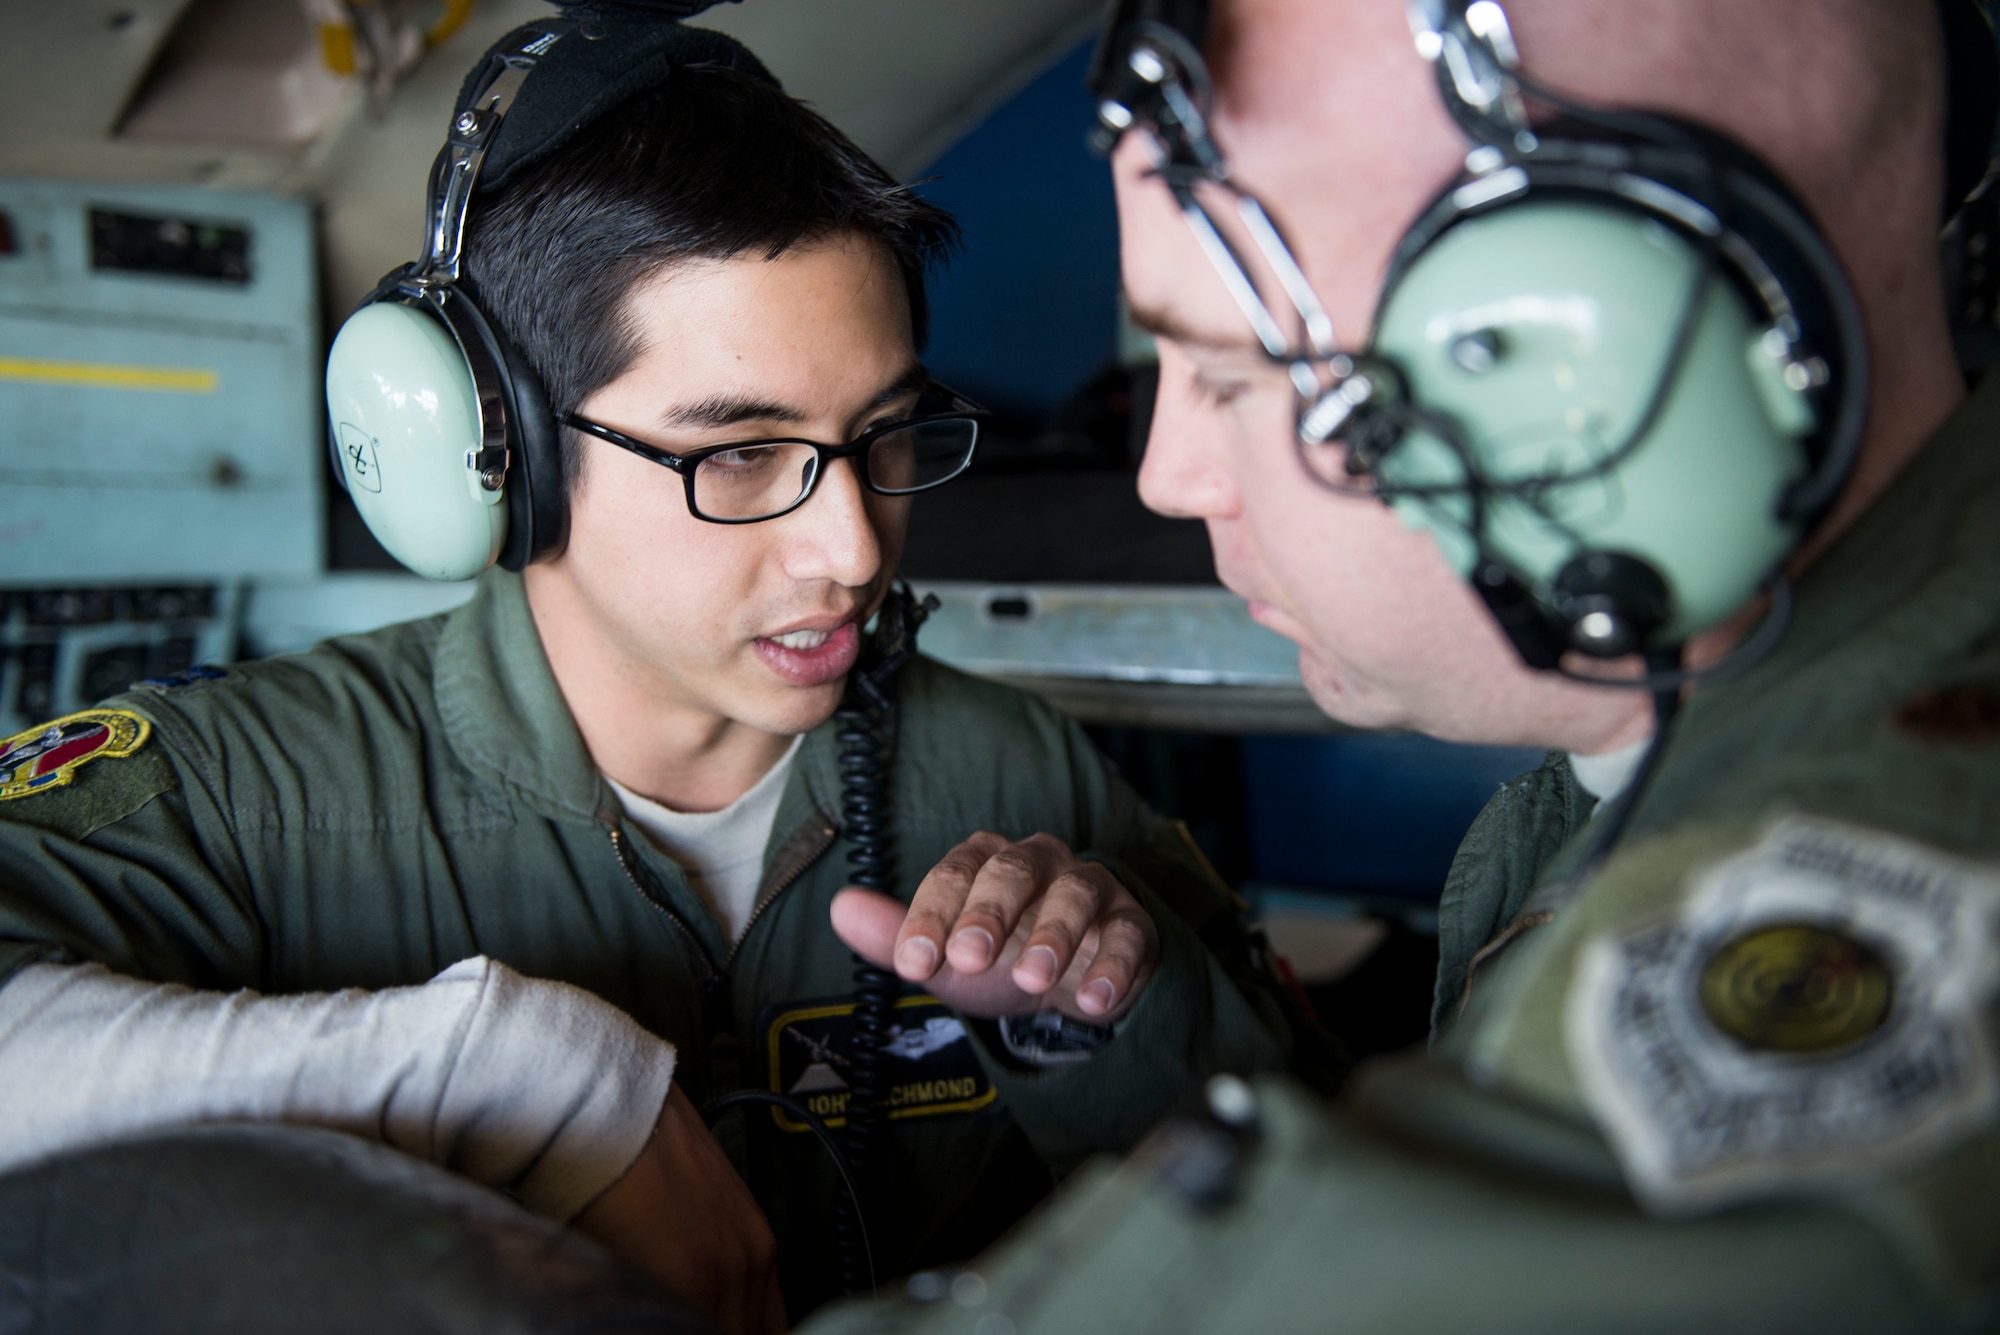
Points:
(369, 812)
(1713, 1087)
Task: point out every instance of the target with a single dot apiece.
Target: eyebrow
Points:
(723, 410)
(1161, 323)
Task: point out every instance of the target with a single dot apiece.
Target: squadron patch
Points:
(928, 1066)
(1813, 1011)
(49, 756)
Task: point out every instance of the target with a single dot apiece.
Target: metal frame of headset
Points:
(432, 280)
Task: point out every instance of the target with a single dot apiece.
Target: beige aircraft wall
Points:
(905, 77)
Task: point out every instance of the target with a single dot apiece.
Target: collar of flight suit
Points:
(506, 717)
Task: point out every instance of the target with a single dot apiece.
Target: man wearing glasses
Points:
(518, 889)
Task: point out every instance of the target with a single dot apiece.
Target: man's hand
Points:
(1009, 928)
(681, 1213)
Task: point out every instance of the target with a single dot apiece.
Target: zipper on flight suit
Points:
(718, 974)
(714, 973)
(779, 884)
(718, 1005)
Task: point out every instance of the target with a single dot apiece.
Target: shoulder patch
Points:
(1813, 1011)
(50, 755)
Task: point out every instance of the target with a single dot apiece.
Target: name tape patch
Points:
(927, 1067)
(1811, 1013)
(49, 756)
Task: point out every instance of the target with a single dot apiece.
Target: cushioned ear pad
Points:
(540, 446)
(537, 514)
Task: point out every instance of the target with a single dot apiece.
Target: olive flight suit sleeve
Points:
(132, 956)
(1213, 1003)
(126, 866)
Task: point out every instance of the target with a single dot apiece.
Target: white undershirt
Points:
(1605, 776)
(722, 852)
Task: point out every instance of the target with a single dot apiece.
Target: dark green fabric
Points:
(365, 814)
(1337, 1231)
(1517, 834)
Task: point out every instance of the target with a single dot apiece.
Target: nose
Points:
(1186, 473)
(833, 534)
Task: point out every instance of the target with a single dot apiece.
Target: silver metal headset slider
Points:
(1472, 47)
(473, 131)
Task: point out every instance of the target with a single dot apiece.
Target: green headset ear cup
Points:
(1583, 302)
(404, 407)
(1714, 525)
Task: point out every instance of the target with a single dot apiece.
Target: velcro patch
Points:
(49, 756)
(1968, 715)
(174, 681)
(1812, 1013)
(927, 1067)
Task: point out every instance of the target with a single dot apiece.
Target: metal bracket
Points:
(456, 171)
(1471, 45)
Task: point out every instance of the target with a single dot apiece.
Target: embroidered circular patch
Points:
(49, 756)
(1814, 1010)
(1796, 987)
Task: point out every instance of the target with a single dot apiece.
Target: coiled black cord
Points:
(824, 1135)
(864, 807)
(864, 720)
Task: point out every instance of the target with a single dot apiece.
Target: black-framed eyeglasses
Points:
(746, 481)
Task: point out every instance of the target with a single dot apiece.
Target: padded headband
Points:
(603, 54)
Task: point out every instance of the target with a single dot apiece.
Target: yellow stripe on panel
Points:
(106, 375)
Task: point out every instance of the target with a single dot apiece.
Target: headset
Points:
(437, 427)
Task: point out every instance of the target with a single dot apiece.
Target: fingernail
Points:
(975, 943)
(1097, 997)
(917, 957)
(1038, 966)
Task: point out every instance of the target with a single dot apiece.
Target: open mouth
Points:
(812, 657)
(802, 639)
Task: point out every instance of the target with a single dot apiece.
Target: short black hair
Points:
(710, 164)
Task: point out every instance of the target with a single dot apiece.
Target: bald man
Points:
(1715, 1046)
